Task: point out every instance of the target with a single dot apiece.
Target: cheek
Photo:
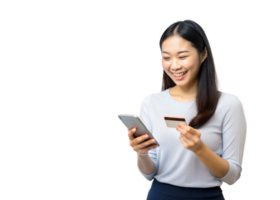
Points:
(164, 65)
(189, 64)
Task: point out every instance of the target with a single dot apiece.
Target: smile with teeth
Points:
(180, 74)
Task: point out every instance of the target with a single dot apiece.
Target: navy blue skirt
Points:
(163, 191)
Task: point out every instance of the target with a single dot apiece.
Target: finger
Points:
(187, 128)
(190, 139)
(143, 144)
(185, 140)
(188, 132)
(149, 142)
(182, 125)
(182, 131)
(191, 130)
(140, 139)
(130, 133)
(146, 149)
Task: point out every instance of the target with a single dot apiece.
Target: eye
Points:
(166, 58)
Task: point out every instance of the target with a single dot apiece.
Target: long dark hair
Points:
(207, 93)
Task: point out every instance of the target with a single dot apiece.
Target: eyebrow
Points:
(177, 53)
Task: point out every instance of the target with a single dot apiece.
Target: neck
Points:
(187, 92)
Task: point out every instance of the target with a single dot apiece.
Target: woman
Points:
(194, 159)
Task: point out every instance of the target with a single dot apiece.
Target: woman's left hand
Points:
(189, 137)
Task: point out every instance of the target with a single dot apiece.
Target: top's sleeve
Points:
(234, 136)
(145, 118)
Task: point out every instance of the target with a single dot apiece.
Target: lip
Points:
(178, 72)
(181, 77)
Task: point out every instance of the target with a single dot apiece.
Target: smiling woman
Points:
(185, 47)
(194, 159)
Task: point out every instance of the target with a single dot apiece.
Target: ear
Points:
(204, 55)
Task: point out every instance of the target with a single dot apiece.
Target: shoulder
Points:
(230, 102)
(229, 95)
(148, 96)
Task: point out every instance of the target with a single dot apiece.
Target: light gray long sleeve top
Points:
(224, 134)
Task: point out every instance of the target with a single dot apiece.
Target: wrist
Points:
(142, 155)
(199, 148)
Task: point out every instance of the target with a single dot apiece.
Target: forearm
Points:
(146, 164)
(218, 166)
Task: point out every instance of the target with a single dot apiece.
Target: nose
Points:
(175, 65)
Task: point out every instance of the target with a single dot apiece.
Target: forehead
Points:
(176, 43)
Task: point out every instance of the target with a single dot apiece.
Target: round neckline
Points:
(177, 102)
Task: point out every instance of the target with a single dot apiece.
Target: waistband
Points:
(190, 192)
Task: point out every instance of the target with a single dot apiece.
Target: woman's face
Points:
(179, 56)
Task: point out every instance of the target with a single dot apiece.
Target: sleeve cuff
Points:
(148, 176)
(232, 175)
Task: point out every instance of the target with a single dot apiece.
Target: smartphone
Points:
(131, 121)
(172, 122)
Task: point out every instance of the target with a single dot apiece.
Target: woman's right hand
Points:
(138, 145)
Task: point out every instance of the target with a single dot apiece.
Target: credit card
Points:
(173, 122)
